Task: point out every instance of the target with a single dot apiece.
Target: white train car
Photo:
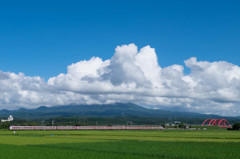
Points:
(132, 128)
(44, 127)
(85, 127)
(21, 127)
(118, 128)
(66, 128)
(102, 127)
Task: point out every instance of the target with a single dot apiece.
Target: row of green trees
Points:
(236, 126)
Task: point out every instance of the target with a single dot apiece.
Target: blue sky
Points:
(42, 38)
(178, 55)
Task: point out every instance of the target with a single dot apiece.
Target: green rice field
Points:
(120, 144)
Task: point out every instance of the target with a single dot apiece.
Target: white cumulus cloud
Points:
(131, 75)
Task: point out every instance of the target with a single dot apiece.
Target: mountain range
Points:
(105, 110)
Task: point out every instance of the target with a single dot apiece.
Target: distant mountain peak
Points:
(42, 108)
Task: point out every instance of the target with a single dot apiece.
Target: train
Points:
(85, 128)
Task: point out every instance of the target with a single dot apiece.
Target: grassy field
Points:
(167, 144)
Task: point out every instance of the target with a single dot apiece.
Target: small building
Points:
(10, 118)
(177, 122)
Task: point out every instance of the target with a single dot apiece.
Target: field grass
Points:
(167, 144)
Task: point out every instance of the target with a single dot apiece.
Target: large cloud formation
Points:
(131, 75)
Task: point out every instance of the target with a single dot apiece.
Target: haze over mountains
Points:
(107, 110)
